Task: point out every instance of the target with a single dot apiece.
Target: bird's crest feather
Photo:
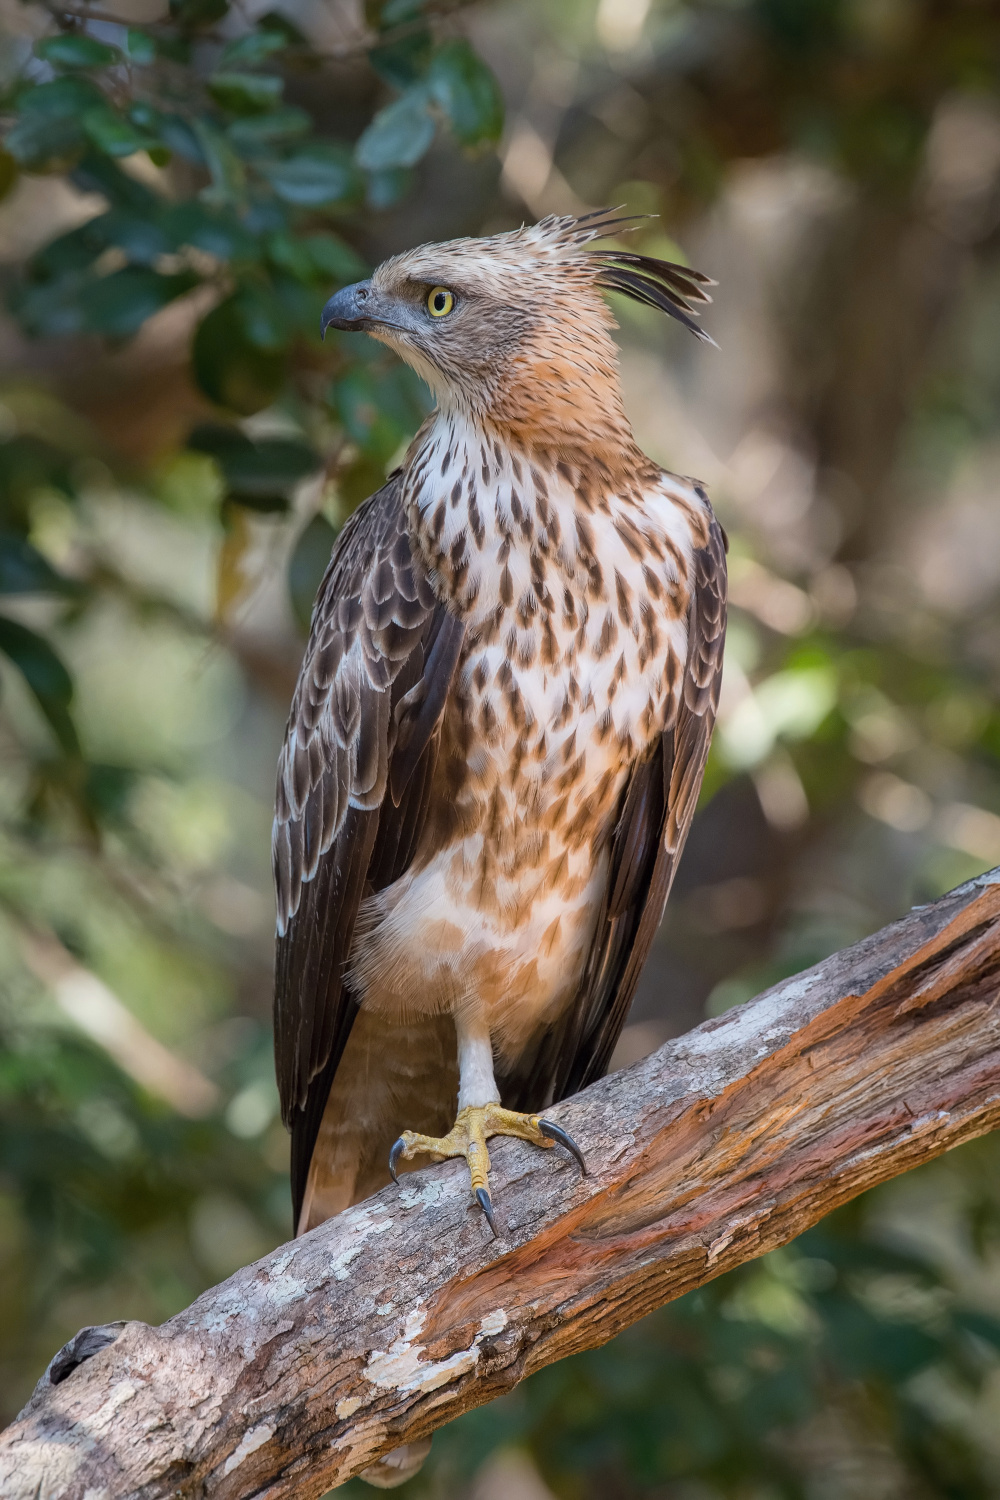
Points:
(663, 284)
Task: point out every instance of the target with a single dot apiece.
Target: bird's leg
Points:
(480, 1115)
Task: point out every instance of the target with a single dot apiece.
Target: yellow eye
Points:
(439, 302)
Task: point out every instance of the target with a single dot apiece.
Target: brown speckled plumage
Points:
(499, 731)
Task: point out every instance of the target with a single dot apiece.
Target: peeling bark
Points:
(398, 1315)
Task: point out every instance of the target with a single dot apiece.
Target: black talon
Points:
(394, 1156)
(485, 1203)
(556, 1133)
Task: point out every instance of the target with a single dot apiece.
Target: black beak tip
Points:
(344, 309)
(329, 318)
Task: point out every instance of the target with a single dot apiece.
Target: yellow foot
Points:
(474, 1125)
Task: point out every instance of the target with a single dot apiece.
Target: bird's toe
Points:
(474, 1125)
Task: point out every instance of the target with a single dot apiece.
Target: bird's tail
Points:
(397, 1467)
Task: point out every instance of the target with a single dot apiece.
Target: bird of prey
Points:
(498, 734)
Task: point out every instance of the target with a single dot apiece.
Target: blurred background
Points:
(184, 184)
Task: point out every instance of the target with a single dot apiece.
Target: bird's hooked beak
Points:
(350, 308)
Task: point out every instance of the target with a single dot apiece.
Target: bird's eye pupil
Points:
(439, 301)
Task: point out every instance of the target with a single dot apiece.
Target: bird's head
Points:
(513, 330)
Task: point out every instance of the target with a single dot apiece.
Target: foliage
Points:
(224, 198)
(242, 204)
(743, 1384)
(173, 473)
(101, 1182)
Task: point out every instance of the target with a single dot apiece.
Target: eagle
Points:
(499, 730)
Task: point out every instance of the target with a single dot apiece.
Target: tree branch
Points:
(398, 1315)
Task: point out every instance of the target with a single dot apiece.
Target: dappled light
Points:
(184, 186)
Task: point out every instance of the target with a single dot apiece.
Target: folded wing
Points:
(354, 778)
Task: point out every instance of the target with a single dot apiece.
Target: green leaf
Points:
(372, 413)
(316, 175)
(246, 93)
(388, 187)
(315, 257)
(119, 304)
(28, 464)
(229, 369)
(141, 47)
(70, 252)
(113, 134)
(252, 50)
(982, 1324)
(265, 215)
(301, 304)
(257, 133)
(47, 136)
(45, 675)
(97, 173)
(465, 89)
(399, 135)
(289, 253)
(333, 258)
(861, 1346)
(44, 143)
(216, 231)
(403, 62)
(179, 137)
(61, 99)
(23, 569)
(143, 240)
(357, 404)
(278, 465)
(51, 310)
(108, 789)
(259, 475)
(76, 50)
(145, 116)
(307, 565)
(264, 320)
(226, 169)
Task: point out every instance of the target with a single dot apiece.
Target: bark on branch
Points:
(379, 1326)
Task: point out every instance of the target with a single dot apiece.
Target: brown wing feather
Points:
(656, 812)
(353, 781)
